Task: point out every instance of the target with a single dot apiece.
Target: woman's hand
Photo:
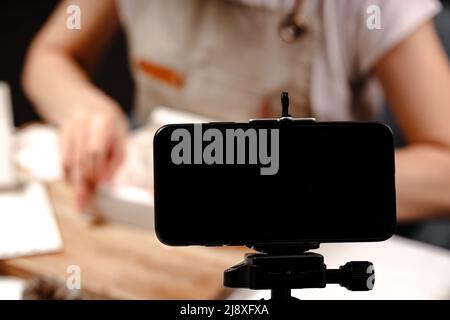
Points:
(56, 78)
(92, 147)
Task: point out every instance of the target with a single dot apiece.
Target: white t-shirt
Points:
(225, 59)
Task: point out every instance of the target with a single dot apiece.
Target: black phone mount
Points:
(283, 267)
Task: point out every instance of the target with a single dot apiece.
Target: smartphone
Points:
(274, 182)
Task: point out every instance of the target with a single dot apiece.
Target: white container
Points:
(125, 204)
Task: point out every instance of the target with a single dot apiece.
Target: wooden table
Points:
(121, 262)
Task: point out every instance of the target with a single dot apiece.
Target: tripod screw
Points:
(357, 276)
(285, 105)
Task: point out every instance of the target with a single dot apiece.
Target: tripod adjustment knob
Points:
(357, 276)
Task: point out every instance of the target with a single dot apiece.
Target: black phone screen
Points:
(272, 182)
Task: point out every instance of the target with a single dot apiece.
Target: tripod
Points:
(282, 268)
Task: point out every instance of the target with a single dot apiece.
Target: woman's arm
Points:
(56, 74)
(416, 78)
(56, 78)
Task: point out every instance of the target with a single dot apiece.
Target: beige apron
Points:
(217, 58)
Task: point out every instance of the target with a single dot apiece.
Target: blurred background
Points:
(113, 76)
(20, 20)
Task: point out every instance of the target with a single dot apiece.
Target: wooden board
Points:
(121, 262)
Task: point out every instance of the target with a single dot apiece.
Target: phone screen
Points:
(269, 182)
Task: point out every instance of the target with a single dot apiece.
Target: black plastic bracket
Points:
(282, 271)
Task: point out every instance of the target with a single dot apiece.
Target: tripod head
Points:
(280, 268)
